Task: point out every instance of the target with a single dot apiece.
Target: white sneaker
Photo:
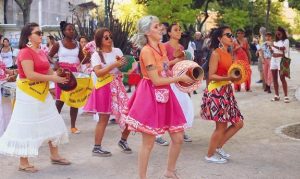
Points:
(215, 159)
(222, 153)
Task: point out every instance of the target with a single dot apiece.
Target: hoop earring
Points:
(29, 44)
(221, 45)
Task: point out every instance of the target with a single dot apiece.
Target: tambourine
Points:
(183, 54)
(71, 84)
(188, 55)
(241, 69)
(193, 70)
(128, 65)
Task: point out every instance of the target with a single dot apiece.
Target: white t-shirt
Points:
(282, 43)
(109, 58)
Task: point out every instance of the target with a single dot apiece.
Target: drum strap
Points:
(102, 81)
(37, 90)
(216, 84)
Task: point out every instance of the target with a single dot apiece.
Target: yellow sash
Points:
(37, 89)
(77, 98)
(214, 85)
(101, 81)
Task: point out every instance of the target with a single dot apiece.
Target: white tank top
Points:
(66, 55)
(7, 58)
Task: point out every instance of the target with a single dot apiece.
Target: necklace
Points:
(159, 52)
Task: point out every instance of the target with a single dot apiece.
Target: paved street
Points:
(257, 151)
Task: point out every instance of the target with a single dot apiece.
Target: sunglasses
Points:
(229, 35)
(39, 33)
(107, 37)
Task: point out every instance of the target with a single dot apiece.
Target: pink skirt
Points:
(109, 99)
(154, 110)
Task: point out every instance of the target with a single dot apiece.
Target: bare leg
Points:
(216, 137)
(73, 114)
(284, 85)
(230, 131)
(174, 151)
(275, 81)
(54, 155)
(100, 128)
(144, 154)
(125, 133)
(59, 105)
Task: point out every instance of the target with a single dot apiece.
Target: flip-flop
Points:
(61, 161)
(28, 169)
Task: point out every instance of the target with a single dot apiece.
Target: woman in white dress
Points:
(35, 118)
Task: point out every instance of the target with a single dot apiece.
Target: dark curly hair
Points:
(216, 34)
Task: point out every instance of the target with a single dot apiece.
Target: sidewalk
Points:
(257, 151)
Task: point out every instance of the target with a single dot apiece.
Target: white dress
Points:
(32, 123)
(186, 104)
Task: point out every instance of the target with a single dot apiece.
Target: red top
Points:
(241, 53)
(224, 63)
(40, 61)
(171, 50)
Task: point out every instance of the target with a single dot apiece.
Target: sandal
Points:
(286, 99)
(172, 175)
(28, 169)
(276, 98)
(61, 161)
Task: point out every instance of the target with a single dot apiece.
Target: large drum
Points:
(9, 89)
(77, 97)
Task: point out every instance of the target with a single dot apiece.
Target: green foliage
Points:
(172, 10)
(296, 29)
(243, 14)
(235, 18)
(294, 4)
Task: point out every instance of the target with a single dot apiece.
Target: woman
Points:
(219, 104)
(108, 97)
(266, 60)
(83, 41)
(280, 48)
(50, 42)
(34, 118)
(241, 52)
(153, 109)
(174, 32)
(6, 53)
(69, 57)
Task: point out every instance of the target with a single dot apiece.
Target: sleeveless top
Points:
(241, 53)
(159, 60)
(7, 57)
(224, 63)
(171, 50)
(66, 55)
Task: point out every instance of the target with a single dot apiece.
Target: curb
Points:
(279, 132)
(297, 93)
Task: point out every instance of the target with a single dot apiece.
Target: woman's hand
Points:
(58, 79)
(235, 78)
(184, 78)
(120, 61)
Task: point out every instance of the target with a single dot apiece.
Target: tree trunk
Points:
(25, 6)
(199, 28)
(268, 14)
(5, 11)
(26, 16)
